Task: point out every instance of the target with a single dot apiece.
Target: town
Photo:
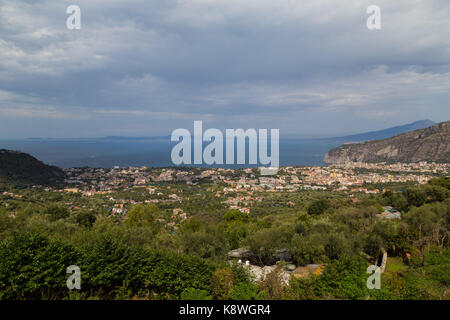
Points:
(91, 181)
(239, 188)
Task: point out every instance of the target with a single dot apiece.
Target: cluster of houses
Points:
(240, 188)
(100, 180)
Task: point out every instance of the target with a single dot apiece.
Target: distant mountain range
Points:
(429, 144)
(372, 135)
(135, 138)
(107, 138)
(22, 168)
(383, 134)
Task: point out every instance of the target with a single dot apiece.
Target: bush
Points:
(266, 243)
(111, 266)
(273, 286)
(343, 279)
(246, 291)
(442, 182)
(241, 274)
(415, 196)
(57, 212)
(235, 215)
(34, 267)
(235, 231)
(439, 266)
(142, 215)
(109, 262)
(169, 274)
(208, 243)
(222, 283)
(318, 206)
(85, 218)
(195, 294)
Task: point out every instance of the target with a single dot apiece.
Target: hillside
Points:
(22, 168)
(429, 144)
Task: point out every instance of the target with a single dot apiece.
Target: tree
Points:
(442, 182)
(337, 246)
(318, 206)
(435, 193)
(265, 243)
(400, 202)
(57, 212)
(423, 226)
(233, 215)
(415, 196)
(206, 243)
(85, 218)
(246, 291)
(308, 248)
(222, 283)
(191, 225)
(274, 286)
(235, 231)
(5, 222)
(142, 215)
(343, 279)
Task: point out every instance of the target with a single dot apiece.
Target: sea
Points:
(151, 152)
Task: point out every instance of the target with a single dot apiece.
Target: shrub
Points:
(142, 215)
(318, 206)
(246, 291)
(343, 279)
(235, 215)
(273, 286)
(222, 283)
(34, 267)
(195, 294)
(57, 212)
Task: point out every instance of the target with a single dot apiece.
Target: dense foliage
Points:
(141, 255)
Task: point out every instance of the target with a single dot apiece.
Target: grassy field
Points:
(395, 264)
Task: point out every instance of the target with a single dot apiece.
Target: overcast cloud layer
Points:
(140, 68)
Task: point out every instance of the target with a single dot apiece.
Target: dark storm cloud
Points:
(145, 67)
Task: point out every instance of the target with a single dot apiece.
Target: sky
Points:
(147, 67)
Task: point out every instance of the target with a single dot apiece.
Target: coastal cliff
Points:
(429, 144)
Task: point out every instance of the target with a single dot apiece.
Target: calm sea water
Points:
(146, 152)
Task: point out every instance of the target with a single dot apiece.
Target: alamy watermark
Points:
(213, 153)
(374, 20)
(374, 280)
(74, 20)
(74, 281)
